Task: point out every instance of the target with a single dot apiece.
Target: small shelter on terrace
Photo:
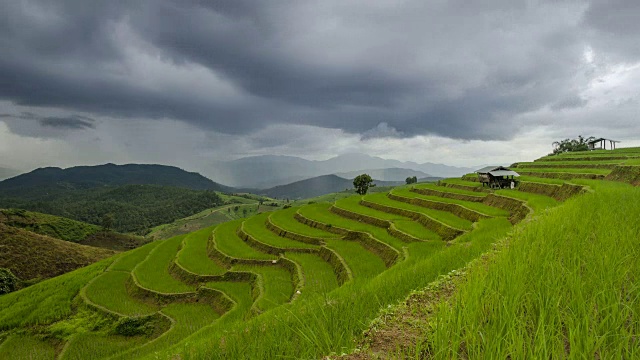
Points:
(497, 177)
(601, 144)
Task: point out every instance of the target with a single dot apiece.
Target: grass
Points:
(129, 260)
(189, 318)
(565, 288)
(255, 226)
(318, 327)
(401, 223)
(538, 203)
(240, 293)
(363, 264)
(462, 182)
(569, 170)
(442, 216)
(47, 301)
(153, 273)
(285, 220)
(193, 255)
(26, 347)
(320, 212)
(553, 181)
(318, 274)
(230, 244)
(276, 282)
(98, 346)
(479, 207)
(450, 190)
(108, 290)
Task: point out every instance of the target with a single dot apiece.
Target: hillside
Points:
(68, 230)
(49, 179)
(6, 173)
(134, 208)
(543, 273)
(33, 257)
(313, 187)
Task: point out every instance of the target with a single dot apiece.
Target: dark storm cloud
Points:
(70, 122)
(451, 69)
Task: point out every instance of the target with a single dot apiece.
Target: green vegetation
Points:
(554, 293)
(153, 272)
(362, 183)
(319, 277)
(26, 347)
(285, 220)
(8, 281)
(571, 145)
(228, 242)
(44, 224)
(277, 285)
(255, 226)
(134, 207)
(193, 255)
(48, 301)
(109, 291)
(525, 291)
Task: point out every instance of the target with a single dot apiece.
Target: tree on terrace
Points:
(362, 183)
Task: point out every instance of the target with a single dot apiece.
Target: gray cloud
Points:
(452, 69)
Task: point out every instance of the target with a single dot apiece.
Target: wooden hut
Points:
(497, 177)
(601, 144)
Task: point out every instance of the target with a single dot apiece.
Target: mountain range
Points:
(262, 172)
(316, 186)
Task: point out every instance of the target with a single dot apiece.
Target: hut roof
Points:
(488, 169)
(503, 173)
(601, 139)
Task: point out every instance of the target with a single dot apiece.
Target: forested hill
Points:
(133, 208)
(85, 177)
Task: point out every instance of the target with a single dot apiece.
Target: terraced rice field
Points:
(315, 275)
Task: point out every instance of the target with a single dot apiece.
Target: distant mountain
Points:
(269, 170)
(316, 186)
(6, 173)
(391, 174)
(85, 177)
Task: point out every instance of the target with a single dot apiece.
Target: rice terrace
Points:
(453, 269)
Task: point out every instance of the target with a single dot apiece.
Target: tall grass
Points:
(565, 287)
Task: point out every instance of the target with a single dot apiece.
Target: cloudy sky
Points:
(189, 82)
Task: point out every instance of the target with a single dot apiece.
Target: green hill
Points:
(84, 177)
(134, 207)
(544, 273)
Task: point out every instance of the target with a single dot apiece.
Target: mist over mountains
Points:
(267, 171)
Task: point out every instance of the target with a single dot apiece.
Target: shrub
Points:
(8, 281)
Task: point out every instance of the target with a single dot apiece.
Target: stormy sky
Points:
(189, 82)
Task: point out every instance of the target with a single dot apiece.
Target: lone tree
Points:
(362, 183)
(569, 145)
(411, 180)
(107, 222)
